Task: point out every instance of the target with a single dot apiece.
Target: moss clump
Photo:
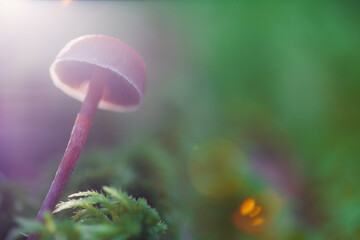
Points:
(109, 215)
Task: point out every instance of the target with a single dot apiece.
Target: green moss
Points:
(109, 215)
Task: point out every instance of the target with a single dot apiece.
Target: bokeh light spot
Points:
(256, 214)
(257, 221)
(255, 211)
(217, 168)
(247, 206)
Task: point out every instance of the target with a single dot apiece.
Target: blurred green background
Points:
(244, 100)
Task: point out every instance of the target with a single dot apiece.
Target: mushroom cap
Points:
(125, 70)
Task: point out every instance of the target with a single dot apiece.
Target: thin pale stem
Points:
(76, 143)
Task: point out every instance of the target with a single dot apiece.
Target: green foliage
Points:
(13, 202)
(286, 74)
(7, 207)
(143, 169)
(113, 215)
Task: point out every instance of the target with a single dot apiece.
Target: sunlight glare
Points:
(10, 7)
(66, 2)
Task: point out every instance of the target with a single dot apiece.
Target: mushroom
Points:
(101, 72)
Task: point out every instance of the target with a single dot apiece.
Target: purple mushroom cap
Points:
(124, 69)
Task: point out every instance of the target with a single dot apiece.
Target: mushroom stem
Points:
(76, 142)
